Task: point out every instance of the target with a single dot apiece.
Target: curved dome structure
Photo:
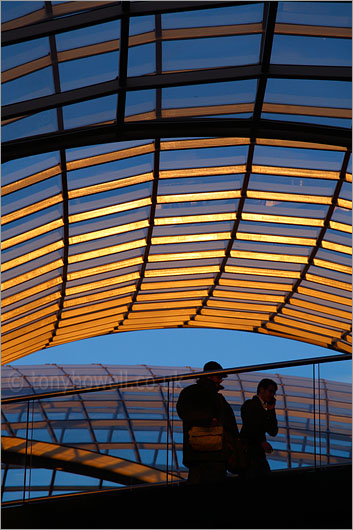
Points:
(135, 424)
(175, 164)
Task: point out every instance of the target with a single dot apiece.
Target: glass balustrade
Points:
(65, 440)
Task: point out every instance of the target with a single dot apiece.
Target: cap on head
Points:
(213, 365)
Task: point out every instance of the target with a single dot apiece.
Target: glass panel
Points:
(342, 215)
(90, 112)
(12, 495)
(16, 9)
(200, 184)
(334, 122)
(318, 13)
(346, 191)
(35, 85)
(92, 150)
(126, 454)
(139, 104)
(84, 72)
(274, 248)
(31, 221)
(89, 35)
(73, 435)
(110, 171)
(109, 198)
(33, 244)
(196, 208)
(198, 158)
(30, 195)
(297, 209)
(338, 237)
(147, 456)
(220, 16)
(298, 158)
(275, 265)
(32, 265)
(300, 186)
(39, 123)
(53, 275)
(107, 242)
(289, 49)
(63, 478)
(210, 53)
(22, 53)
(141, 60)
(278, 229)
(209, 94)
(141, 24)
(334, 257)
(309, 92)
(110, 221)
(23, 167)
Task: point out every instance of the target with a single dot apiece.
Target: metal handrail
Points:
(179, 377)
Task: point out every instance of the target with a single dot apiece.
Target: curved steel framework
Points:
(80, 461)
(137, 423)
(176, 164)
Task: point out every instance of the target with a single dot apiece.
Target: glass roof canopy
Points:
(175, 164)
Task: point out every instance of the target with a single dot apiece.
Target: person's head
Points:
(267, 389)
(212, 366)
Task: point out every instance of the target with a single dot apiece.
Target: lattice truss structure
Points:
(136, 423)
(176, 164)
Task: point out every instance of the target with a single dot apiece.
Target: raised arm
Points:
(257, 421)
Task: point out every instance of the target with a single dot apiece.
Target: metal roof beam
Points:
(81, 461)
(269, 21)
(325, 73)
(123, 60)
(101, 15)
(174, 128)
(69, 97)
(59, 25)
(148, 8)
(107, 88)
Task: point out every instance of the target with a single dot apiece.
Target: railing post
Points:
(172, 431)
(327, 430)
(25, 470)
(168, 433)
(30, 456)
(285, 410)
(319, 391)
(314, 404)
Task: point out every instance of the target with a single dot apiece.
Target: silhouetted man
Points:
(259, 417)
(200, 405)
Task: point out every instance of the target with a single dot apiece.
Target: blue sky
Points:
(191, 347)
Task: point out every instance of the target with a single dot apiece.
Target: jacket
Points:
(196, 406)
(256, 423)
